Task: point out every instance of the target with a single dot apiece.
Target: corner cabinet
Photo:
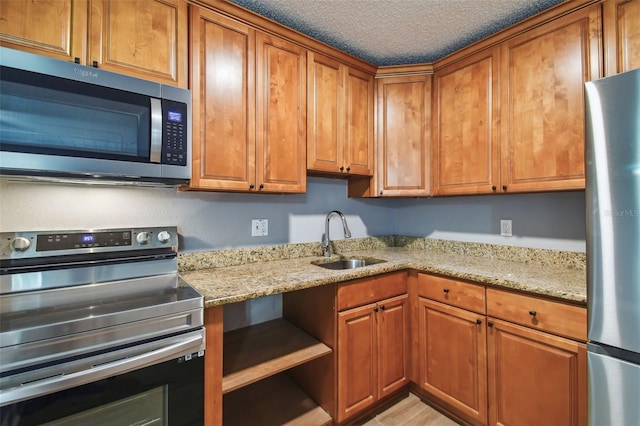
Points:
(340, 118)
(403, 136)
(104, 34)
(542, 101)
(249, 108)
(621, 35)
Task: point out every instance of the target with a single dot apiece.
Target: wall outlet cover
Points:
(506, 229)
(259, 227)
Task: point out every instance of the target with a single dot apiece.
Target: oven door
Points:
(170, 392)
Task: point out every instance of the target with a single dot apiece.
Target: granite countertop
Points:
(228, 284)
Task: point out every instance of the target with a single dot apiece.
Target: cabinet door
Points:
(325, 137)
(393, 340)
(543, 75)
(143, 38)
(452, 354)
(53, 28)
(621, 35)
(281, 81)
(403, 141)
(222, 85)
(535, 378)
(358, 146)
(466, 135)
(357, 369)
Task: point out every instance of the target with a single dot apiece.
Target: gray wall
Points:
(545, 220)
(206, 220)
(221, 220)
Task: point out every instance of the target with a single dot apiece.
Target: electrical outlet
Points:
(505, 228)
(259, 227)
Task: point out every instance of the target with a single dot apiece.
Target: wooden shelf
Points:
(259, 351)
(276, 400)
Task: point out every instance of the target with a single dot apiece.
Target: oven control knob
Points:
(20, 244)
(164, 237)
(143, 237)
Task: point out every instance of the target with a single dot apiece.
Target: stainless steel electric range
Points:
(97, 327)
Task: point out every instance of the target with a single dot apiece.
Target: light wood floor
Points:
(410, 411)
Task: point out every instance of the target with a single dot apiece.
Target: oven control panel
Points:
(55, 243)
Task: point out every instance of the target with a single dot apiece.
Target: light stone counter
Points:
(257, 272)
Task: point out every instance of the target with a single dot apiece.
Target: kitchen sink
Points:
(349, 263)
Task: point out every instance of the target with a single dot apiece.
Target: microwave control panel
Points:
(174, 139)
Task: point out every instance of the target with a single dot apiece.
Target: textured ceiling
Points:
(397, 32)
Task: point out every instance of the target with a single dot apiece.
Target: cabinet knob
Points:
(380, 192)
(76, 60)
(504, 187)
(446, 290)
(348, 168)
(95, 64)
(382, 307)
(341, 168)
(494, 188)
(375, 309)
(261, 186)
(252, 186)
(490, 323)
(478, 321)
(532, 313)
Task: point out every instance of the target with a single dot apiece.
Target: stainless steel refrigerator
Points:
(613, 248)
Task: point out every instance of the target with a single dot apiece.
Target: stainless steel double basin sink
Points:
(347, 263)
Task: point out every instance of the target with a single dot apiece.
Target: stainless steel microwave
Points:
(63, 121)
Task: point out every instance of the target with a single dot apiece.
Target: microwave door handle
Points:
(155, 151)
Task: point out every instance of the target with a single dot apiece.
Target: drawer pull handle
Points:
(532, 313)
(446, 290)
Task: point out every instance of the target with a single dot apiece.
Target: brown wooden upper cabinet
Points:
(511, 118)
(249, 107)
(465, 125)
(141, 38)
(542, 102)
(340, 118)
(403, 137)
(621, 35)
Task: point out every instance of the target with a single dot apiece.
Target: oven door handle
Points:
(187, 345)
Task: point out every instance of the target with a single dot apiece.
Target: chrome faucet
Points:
(326, 241)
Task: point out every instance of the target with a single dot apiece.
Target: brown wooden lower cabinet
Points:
(482, 355)
(508, 367)
(535, 378)
(452, 357)
(373, 342)
(372, 354)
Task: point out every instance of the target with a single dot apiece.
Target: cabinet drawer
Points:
(370, 290)
(542, 314)
(452, 292)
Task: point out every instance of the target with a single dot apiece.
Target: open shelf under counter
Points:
(263, 350)
(276, 401)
